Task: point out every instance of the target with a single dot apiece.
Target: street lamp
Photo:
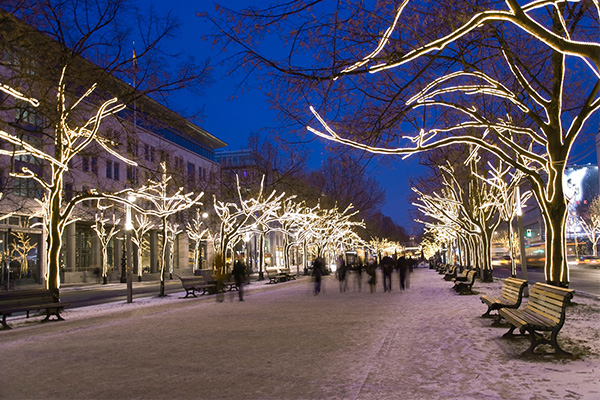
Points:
(128, 228)
(246, 252)
(521, 235)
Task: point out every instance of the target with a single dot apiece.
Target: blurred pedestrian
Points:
(372, 272)
(239, 275)
(359, 270)
(341, 273)
(411, 264)
(402, 267)
(387, 267)
(317, 273)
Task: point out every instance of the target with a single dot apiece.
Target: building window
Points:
(109, 169)
(132, 174)
(68, 191)
(28, 188)
(152, 151)
(28, 116)
(94, 165)
(147, 152)
(191, 170)
(116, 169)
(132, 146)
(85, 164)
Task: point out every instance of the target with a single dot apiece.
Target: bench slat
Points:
(545, 311)
(29, 300)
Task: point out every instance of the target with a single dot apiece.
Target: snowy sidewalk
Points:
(285, 343)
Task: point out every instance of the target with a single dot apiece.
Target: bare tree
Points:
(105, 236)
(69, 142)
(539, 124)
(157, 201)
(197, 232)
(142, 226)
(591, 224)
(21, 247)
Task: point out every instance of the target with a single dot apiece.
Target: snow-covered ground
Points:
(285, 343)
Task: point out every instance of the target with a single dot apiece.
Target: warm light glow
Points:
(524, 148)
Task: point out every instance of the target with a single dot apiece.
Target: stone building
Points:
(145, 132)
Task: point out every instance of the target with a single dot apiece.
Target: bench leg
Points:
(497, 320)
(537, 339)
(511, 332)
(487, 313)
(4, 324)
(55, 313)
(188, 292)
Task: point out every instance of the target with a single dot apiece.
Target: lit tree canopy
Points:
(69, 141)
(536, 115)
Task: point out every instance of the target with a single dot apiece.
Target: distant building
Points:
(581, 185)
(146, 132)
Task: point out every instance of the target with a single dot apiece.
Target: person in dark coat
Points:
(317, 273)
(239, 274)
(387, 266)
(341, 273)
(372, 272)
(402, 267)
(359, 270)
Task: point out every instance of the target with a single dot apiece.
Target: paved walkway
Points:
(285, 343)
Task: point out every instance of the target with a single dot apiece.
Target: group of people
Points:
(404, 266)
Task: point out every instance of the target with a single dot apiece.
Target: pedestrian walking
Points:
(359, 271)
(317, 273)
(372, 272)
(402, 267)
(341, 273)
(387, 267)
(239, 275)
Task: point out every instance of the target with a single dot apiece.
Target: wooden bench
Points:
(274, 275)
(544, 312)
(510, 297)
(465, 287)
(451, 273)
(29, 300)
(442, 269)
(289, 275)
(193, 284)
(230, 285)
(462, 277)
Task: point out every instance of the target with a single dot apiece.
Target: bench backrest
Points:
(512, 289)
(284, 270)
(207, 274)
(549, 301)
(189, 281)
(272, 271)
(20, 298)
(471, 276)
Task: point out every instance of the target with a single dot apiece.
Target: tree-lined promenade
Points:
(508, 85)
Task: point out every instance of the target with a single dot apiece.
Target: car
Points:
(589, 261)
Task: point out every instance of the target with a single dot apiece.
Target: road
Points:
(582, 277)
(87, 295)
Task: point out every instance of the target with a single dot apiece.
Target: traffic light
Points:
(529, 233)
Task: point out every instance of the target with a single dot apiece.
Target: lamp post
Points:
(205, 249)
(128, 228)
(246, 241)
(521, 236)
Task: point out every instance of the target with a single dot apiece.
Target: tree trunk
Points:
(261, 257)
(55, 230)
(556, 268)
(163, 258)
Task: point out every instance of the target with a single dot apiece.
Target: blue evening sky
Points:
(231, 114)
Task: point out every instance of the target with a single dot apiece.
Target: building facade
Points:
(145, 132)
